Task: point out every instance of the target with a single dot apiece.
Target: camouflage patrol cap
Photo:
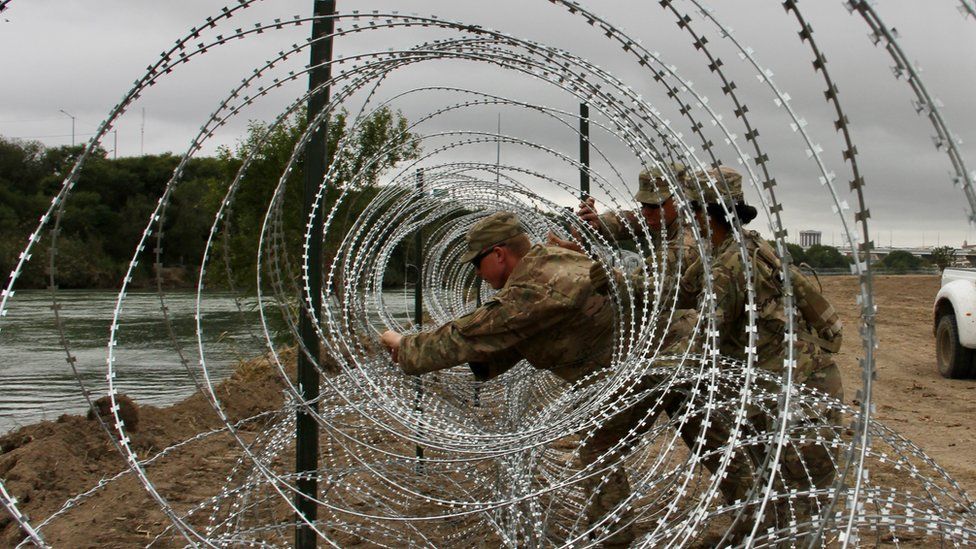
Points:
(653, 189)
(732, 182)
(678, 168)
(696, 186)
(680, 171)
(488, 232)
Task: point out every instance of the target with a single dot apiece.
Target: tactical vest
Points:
(825, 325)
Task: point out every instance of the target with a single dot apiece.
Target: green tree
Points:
(110, 205)
(23, 165)
(799, 255)
(104, 216)
(900, 261)
(943, 256)
(825, 257)
(376, 144)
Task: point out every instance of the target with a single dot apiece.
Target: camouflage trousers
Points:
(804, 466)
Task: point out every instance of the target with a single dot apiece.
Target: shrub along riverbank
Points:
(111, 202)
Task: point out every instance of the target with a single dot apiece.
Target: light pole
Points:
(69, 115)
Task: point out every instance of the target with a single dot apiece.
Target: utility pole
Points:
(71, 116)
(306, 427)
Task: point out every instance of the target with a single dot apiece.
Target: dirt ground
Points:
(909, 394)
(45, 464)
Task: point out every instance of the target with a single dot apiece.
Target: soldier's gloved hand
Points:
(598, 278)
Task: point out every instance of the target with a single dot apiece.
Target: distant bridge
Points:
(879, 253)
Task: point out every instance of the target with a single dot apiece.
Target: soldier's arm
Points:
(496, 366)
(690, 286)
(620, 225)
(641, 286)
(727, 283)
(494, 329)
(440, 349)
(643, 279)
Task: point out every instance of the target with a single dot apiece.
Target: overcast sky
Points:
(83, 56)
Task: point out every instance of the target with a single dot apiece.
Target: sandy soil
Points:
(45, 464)
(910, 396)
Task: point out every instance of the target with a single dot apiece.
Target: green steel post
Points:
(418, 311)
(306, 428)
(584, 144)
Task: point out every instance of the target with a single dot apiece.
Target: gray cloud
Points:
(83, 56)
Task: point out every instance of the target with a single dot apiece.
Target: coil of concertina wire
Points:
(502, 459)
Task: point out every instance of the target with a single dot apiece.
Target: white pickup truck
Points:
(954, 314)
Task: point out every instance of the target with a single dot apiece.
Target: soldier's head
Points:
(656, 197)
(728, 198)
(494, 246)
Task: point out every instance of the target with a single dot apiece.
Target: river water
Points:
(36, 382)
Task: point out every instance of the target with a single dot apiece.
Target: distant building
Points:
(809, 238)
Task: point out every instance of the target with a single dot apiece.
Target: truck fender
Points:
(959, 298)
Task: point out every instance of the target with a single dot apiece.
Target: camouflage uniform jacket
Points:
(731, 318)
(547, 313)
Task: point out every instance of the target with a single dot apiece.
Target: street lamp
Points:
(69, 115)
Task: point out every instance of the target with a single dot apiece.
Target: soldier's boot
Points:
(743, 528)
(740, 474)
(604, 498)
(816, 472)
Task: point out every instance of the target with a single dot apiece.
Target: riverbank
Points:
(44, 464)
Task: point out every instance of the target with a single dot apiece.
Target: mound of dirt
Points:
(128, 411)
(43, 465)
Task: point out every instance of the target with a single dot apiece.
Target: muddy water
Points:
(36, 381)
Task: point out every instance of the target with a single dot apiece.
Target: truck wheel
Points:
(954, 360)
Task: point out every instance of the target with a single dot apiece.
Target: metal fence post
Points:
(584, 147)
(418, 314)
(306, 428)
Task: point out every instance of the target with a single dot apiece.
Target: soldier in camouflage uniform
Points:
(674, 246)
(631, 423)
(817, 328)
(545, 311)
(659, 211)
(803, 466)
